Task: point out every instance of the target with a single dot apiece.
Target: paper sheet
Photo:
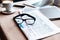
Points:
(42, 27)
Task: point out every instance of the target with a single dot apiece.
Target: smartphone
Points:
(16, 20)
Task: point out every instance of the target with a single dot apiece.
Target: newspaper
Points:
(42, 27)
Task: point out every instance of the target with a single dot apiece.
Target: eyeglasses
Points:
(28, 21)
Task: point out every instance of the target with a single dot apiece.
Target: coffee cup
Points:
(8, 5)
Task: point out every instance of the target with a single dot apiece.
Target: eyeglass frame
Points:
(25, 19)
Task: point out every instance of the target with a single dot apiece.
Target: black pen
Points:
(22, 6)
(53, 19)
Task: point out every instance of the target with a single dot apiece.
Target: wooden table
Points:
(12, 32)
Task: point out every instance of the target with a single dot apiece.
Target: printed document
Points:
(42, 27)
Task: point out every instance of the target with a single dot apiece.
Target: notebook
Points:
(52, 12)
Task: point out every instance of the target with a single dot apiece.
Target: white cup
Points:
(8, 5)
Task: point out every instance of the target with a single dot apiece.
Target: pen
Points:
(55, 19)
(22, 6)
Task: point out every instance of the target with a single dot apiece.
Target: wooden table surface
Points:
(12, 31)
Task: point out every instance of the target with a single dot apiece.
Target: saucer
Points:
(7, 12)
